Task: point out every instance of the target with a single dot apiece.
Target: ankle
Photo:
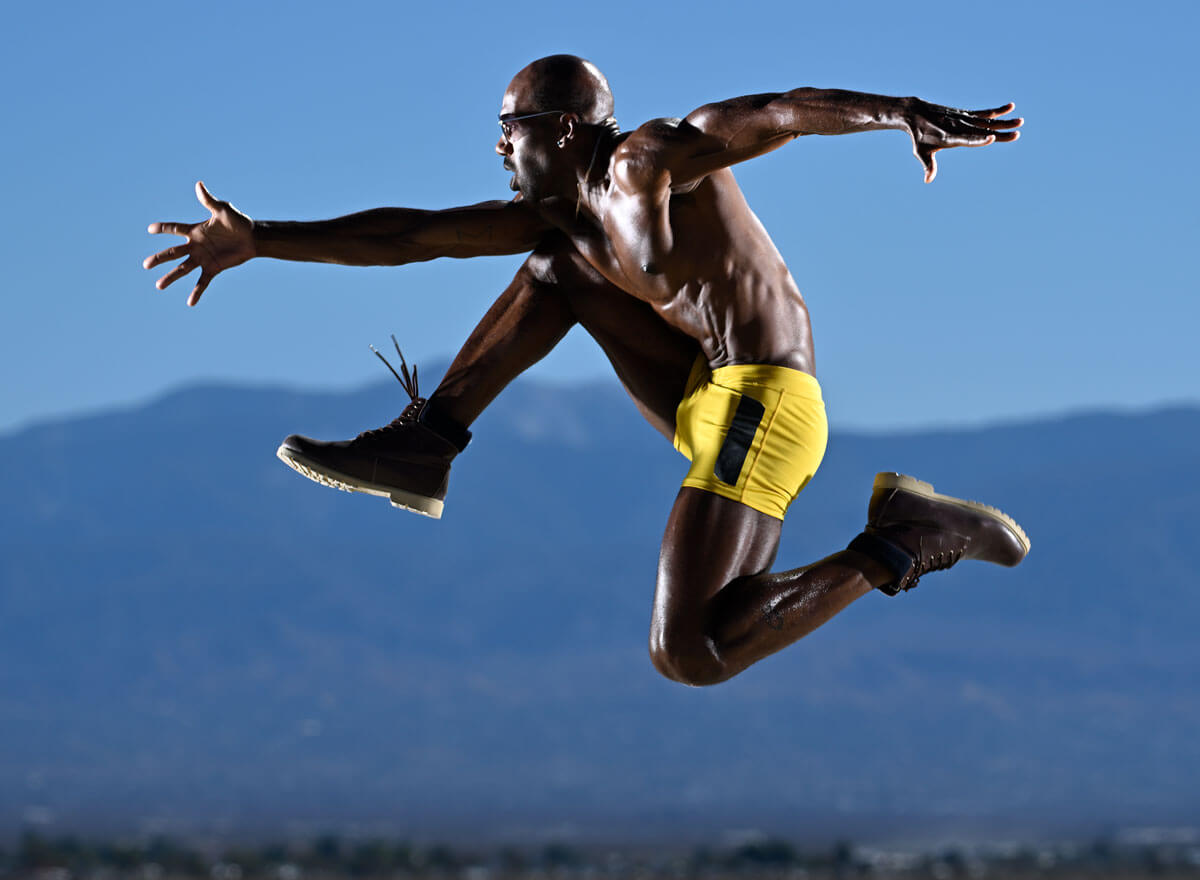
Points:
(874, 572)
(436, 418)
(884, 564)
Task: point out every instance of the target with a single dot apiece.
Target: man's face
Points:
(527, 144)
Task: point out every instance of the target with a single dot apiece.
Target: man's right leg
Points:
(408, 460)
(554, 290)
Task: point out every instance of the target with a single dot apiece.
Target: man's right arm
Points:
(395, 236)
(381, 237)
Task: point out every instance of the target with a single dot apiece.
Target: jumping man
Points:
(645, 240)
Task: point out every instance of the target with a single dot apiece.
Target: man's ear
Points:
(566, 128)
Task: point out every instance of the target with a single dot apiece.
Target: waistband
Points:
(739, 376)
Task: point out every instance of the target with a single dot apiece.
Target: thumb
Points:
(927, 159)
(205, 197)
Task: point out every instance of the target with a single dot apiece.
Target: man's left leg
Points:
(717, 608)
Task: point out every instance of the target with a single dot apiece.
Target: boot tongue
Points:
(412, 412)
(420, 410)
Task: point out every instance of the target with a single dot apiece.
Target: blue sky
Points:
(1048, 275)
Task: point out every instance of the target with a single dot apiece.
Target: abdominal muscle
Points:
(743, 321)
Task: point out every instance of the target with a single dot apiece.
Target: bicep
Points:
(485, 229)
(724, 133)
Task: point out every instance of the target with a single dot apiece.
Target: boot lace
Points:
(934, 562)
(408, 381)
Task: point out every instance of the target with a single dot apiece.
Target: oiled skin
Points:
(646, 241)
(706, 267)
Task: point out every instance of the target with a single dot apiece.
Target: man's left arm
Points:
(722, 134)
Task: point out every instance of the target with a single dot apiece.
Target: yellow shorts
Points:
(754, 433)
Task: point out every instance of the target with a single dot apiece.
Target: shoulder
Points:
(647, 152)
(512, 211)
(524, 216)
(516, 207)
(654, 137)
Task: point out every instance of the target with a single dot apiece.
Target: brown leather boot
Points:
(912, 530)
(406, 461)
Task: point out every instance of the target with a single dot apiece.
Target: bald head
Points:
(562, 82)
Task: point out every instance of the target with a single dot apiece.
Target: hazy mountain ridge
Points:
(188, 629)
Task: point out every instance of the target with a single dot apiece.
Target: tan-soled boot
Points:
(406, 461)
(911, 529)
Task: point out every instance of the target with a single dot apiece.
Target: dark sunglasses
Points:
(506, 119)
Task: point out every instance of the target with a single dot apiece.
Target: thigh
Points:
(651, 358)
(709, 542)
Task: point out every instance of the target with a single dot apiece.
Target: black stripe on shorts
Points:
(738, 439)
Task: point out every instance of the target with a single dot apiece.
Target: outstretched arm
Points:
(722, 134)
(380, 237)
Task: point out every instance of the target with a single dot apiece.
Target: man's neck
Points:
(590, 180)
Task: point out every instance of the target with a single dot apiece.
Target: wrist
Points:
(900, 112)
(265, 238)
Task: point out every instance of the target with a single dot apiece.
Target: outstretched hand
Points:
(934, 128)
(224, 240)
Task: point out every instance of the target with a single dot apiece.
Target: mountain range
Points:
(193, 637)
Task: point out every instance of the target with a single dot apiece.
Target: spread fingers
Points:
(175, 274)
(995, 111)
(199, 289)
(996, 124)
(172, 253)
(170, 228)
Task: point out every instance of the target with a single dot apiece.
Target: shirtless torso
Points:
(698, 256)
(644, 239)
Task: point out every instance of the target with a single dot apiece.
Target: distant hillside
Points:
(193, 636)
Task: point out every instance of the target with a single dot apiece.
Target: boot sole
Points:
(920, 487)
(430, 507)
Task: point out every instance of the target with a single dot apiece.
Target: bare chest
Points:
(632, 244)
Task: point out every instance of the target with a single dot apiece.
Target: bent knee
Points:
(688, 659)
